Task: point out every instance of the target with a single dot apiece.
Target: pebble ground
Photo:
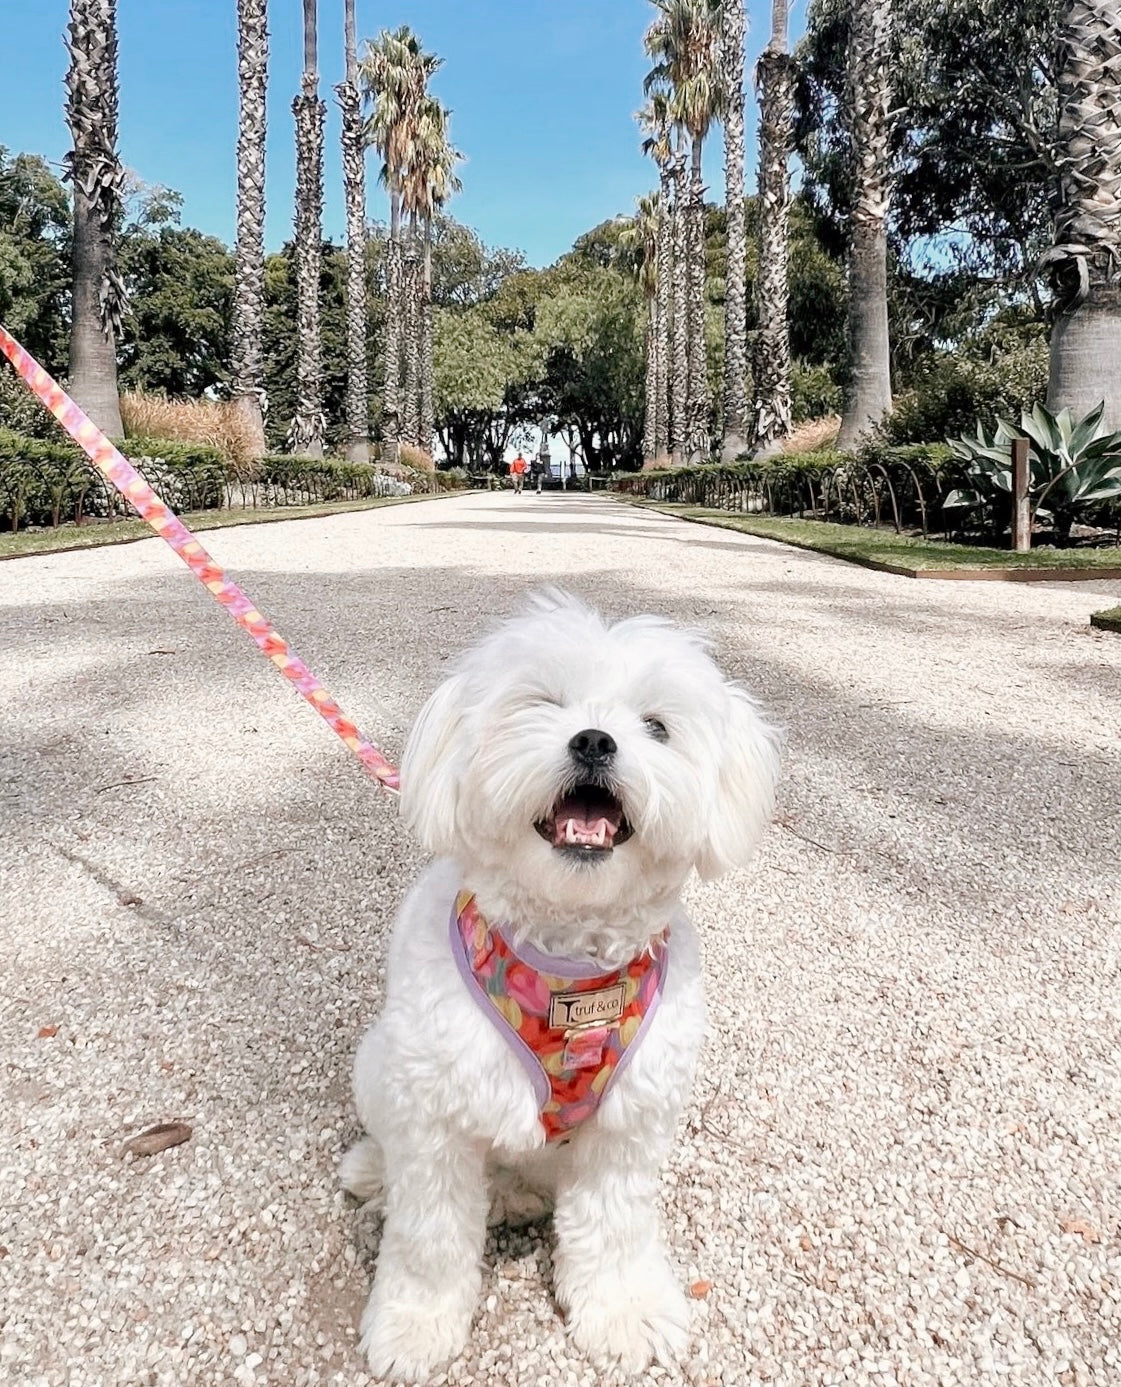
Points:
(902, 1165)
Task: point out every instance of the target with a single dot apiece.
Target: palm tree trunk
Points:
(664, 314)
(1086, 257)
(410, 414)
(95, 170)
(391, 405)
(249, 260)
(869, 97)
(427, 372)
(679, 372)
(696, 408)
(771, 358)
(305, 434)
(735, 424)
(650, 418)
(354, 180)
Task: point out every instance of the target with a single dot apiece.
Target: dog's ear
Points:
(749, 754)
(432, 767)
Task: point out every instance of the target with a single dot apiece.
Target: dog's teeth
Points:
(570, 831)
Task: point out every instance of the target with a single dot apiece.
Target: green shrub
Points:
(280, 479)
(46, 481)
(879, 485)
(949, 392)
(814, 392)
(186, 476)
(20, 410)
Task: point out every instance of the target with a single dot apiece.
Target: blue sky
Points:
(542, 94)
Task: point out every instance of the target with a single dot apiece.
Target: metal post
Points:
(1021, 509)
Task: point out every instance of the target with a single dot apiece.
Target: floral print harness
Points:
(572, 1027)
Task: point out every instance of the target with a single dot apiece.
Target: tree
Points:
(771, 355)
(35, 257)
(680, 354)
(684, 42)
(249, 281)
(868, 398)
(354, 184)
(94, 170)
(475, 365)
(654, 121)
(1086, 256)
(305, 434)
(175, 335)
(735, 421)
(430, 182)
(394, 74)
(640, 238)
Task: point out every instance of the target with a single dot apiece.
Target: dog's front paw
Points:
(409, 1334)
(631, 1321)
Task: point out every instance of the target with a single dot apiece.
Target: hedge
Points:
(44, 482)
(902, 486)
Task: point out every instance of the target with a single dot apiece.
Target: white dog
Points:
(544, 1009)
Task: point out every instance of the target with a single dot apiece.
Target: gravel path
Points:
(903, 1162)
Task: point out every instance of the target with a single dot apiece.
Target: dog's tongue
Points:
(586, 822)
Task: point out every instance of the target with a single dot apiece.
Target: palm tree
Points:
(640, 236)
(411, 331)
(684, 42)
(654, 120)
(305, 435)
(95, 171)
(774, 78)
(868, 99)
(1086, 336)
(394, 73)
(735, 280)
(427, 185)
(249, 259)
(354, 180)
(679, 381)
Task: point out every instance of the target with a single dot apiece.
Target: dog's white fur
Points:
(452, 1118)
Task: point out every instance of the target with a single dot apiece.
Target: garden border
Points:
(221, 520)
(971, 575)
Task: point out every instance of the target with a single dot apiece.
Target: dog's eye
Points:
(657, 729)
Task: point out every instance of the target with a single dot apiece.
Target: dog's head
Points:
(587, 763)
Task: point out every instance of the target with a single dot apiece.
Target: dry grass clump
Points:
(416, 458)
(812, 434)
(215, 422)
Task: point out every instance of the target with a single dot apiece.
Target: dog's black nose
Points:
(592, 747)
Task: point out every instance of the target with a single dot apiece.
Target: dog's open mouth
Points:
(588, 819)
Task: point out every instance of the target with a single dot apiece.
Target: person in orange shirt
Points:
(517, 471)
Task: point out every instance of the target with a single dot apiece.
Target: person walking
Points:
(518, 471)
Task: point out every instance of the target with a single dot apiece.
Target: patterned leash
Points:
(117, 469)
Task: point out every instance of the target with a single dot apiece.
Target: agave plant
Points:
(1071, 464)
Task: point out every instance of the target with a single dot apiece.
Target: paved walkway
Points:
(902, 1163)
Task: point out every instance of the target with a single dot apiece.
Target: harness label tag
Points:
(573, 1010)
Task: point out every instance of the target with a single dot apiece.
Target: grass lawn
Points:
(92, 536)
(1109, 620)
(879, 548)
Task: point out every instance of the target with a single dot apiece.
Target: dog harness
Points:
(572, 1027)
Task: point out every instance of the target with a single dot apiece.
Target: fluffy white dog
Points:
(544, 1010)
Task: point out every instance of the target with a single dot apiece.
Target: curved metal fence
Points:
(900, 487)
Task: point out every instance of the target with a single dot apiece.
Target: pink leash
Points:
(117, 469)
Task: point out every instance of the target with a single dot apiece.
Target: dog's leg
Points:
(429, 1268)
(362, 1169)
(625, 1306)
